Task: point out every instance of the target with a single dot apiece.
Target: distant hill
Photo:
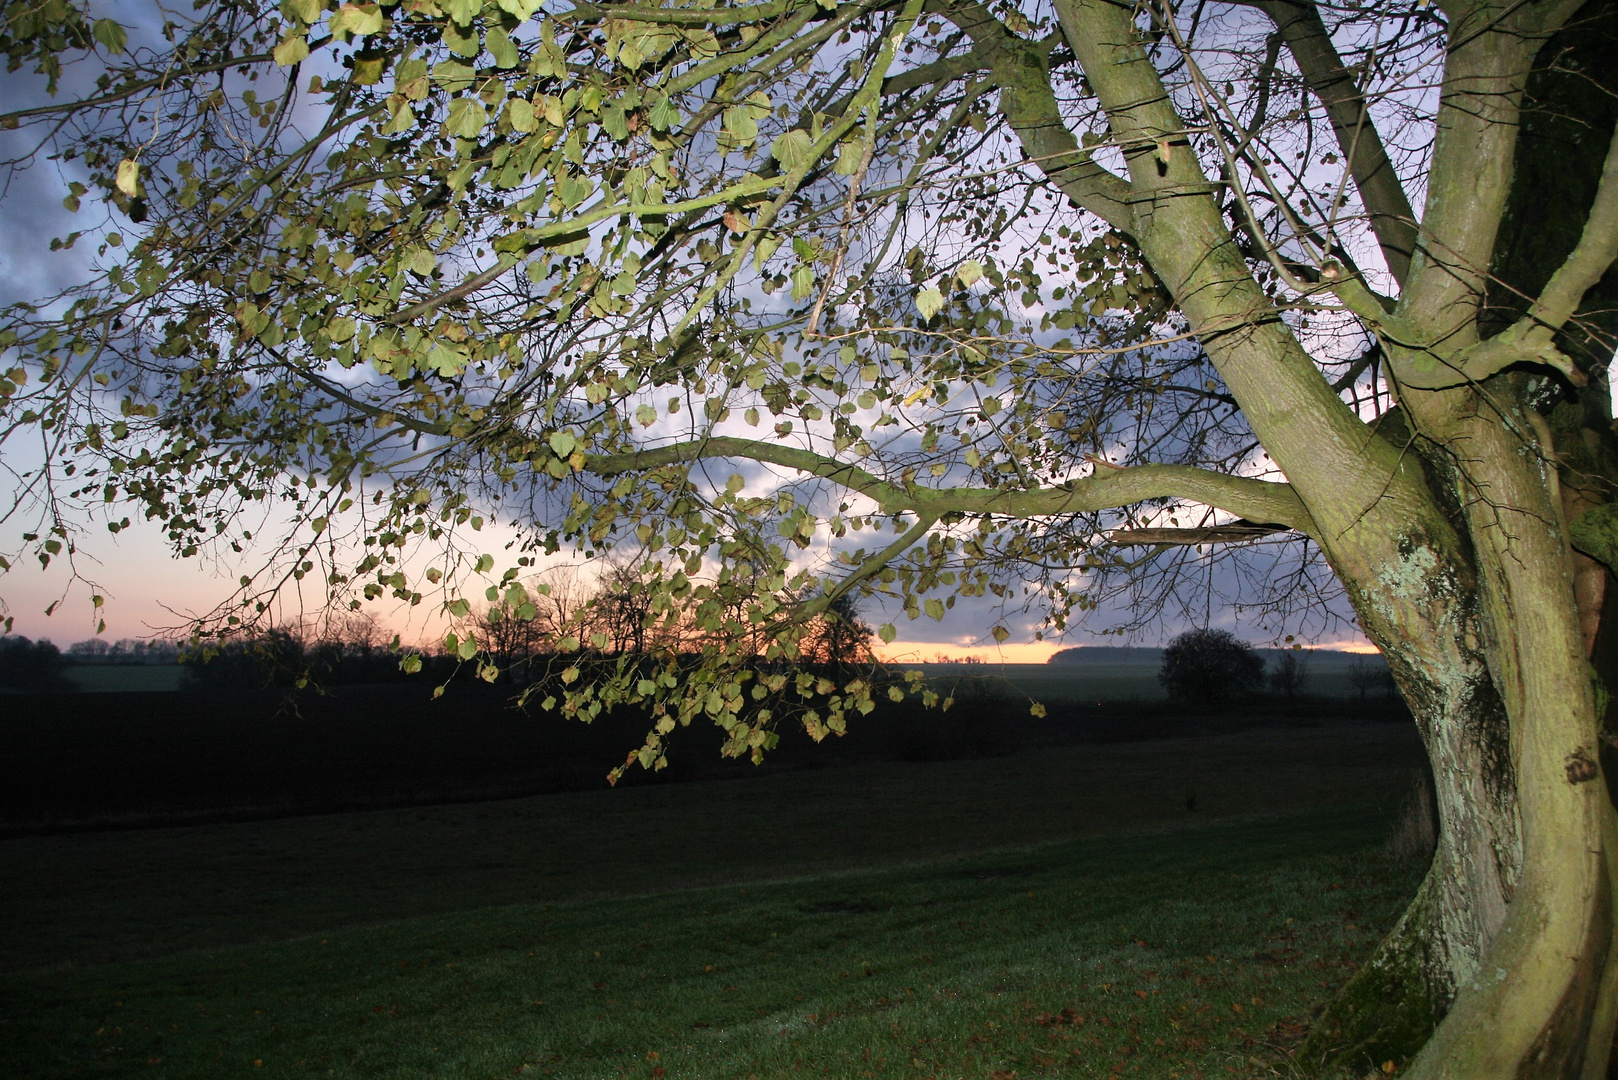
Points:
(1325, 658)
(1133, 654)
(1107, 654)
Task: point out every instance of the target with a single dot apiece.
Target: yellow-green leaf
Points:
(112, 36)
(791, 149)
(929, 302)
(520, 113)
(358, 19)
(129, 177)
(501, 47)
(466, 117)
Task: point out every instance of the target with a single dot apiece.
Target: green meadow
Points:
(1167, 909)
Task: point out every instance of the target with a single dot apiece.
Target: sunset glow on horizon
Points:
(1040, 652)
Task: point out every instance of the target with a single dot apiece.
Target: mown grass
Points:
(1199, 951)
(94, 898)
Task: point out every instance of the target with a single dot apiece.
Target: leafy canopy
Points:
(793, 301)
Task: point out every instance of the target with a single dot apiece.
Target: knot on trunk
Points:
(1580, 768)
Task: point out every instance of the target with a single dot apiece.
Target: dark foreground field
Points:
(1153, 909)
(93, 761)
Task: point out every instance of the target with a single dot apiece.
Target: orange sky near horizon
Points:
(1035, 652)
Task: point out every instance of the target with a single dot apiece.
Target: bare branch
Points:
(1391, 216)
(1590, 259)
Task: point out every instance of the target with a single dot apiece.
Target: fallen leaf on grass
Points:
(1066, 1016)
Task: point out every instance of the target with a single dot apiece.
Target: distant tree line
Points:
(561, 615)
(516, 637)
(618, 614)
(39, 666)
(292, 658)
(124, 651)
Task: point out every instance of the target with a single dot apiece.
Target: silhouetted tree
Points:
(838, 635)
(30, 665)
(272, 658)
(1361, 676)
(1210, 665)
(1291, 674)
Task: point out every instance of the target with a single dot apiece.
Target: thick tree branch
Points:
(874, 564)
(130, 89)
(1255, 500)
(521, 243)
(1531, 339)
(726, 16)
(1021, 69)
(1474, 156)
(1591, 258)
(1392, 218)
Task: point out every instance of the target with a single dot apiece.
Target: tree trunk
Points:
(1507, 949)
(1391, 1006)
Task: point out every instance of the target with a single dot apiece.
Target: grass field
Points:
(1190, 953)
(1098, 681)
(103, 678)
(1088, 912)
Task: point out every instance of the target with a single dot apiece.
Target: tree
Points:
(1072, 298)
(30, 665)
(838, 636)
(1291, 674)
(511, 642)
(1210, 666)
(274, 657)
(1364, 676)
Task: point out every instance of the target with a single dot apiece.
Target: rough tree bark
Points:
(1447, 526)
(1390, 1008)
